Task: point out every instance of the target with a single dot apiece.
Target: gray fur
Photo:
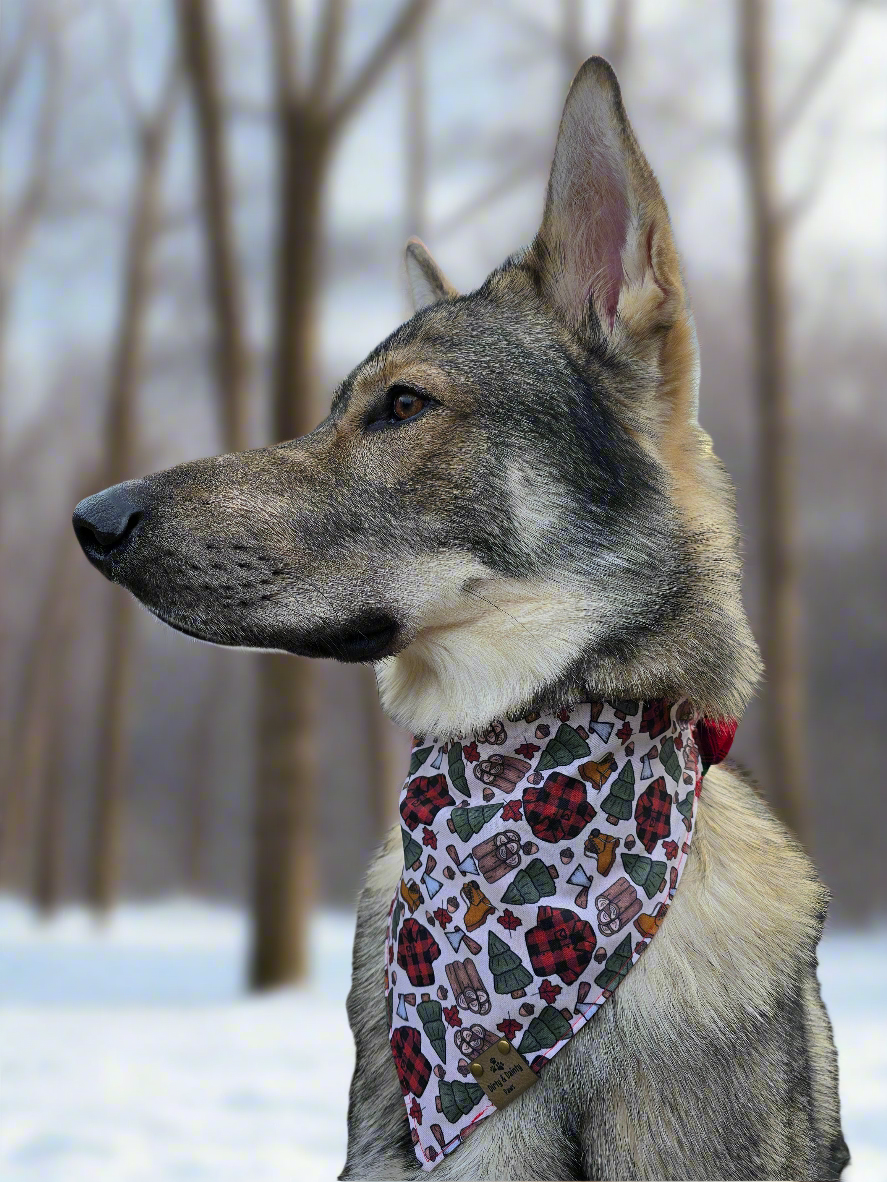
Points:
(713, 1059)
(552, 525)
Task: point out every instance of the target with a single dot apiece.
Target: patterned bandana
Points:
(539, 861)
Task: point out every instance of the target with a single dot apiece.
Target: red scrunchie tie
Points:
(715, 738)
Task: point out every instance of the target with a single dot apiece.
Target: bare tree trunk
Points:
(49, 852)
(197, 800)
(388, 758)
(784, 716)
(200, 53)
(28, 734)
(416, 138)
(223, 270)
(308, 121)
(284, 863)
(103, 865)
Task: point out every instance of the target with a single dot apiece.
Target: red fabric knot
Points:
(714, 737)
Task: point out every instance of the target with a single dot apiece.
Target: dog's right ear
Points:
(428, 284)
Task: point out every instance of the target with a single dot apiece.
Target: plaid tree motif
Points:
(561, 944)
(558, 809)
(560, 927)
(417, 950)
(424, 798)
(656, 717)
(653, 815)
(413, 1069)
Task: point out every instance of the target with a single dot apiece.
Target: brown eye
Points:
(407, 404)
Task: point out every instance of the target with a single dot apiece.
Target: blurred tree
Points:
(312, 107)
(151, 133)
(201, 57)
(38, 36)
(311, 112)
(49, 789)
(569, 43)
(770, 220)
(33, 42)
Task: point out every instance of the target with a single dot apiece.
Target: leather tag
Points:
(503, 1073)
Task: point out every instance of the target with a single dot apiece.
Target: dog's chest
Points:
(540, 858)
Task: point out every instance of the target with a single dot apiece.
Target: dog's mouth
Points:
(369, 638)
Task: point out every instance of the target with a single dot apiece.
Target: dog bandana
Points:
(540, 859)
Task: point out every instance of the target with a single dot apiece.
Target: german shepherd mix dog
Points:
(511, 501)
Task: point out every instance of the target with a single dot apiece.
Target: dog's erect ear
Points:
(605, 244)
(428, 284)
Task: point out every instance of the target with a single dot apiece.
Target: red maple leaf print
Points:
(416, 1111)
(549, 992)
(451, 1013)
(471, 753)
(624, 732)
(671, 850)
(512, 812)
(442, 916)
(564, 715)
(509, 920)
(509, 1027)
(429, 837)
(527, 750)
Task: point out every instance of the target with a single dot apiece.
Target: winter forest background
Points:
(204, 205)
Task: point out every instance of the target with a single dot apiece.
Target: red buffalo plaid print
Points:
(561, 944)
(423, 800)
(413, 1069)
(558, 809)
(656, 717)
(417, 950)
(653, 815)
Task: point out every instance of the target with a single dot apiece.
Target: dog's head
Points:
(511, 495)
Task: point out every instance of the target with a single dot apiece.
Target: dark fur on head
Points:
(552, 523)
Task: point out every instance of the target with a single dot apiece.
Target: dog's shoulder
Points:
(743, 927)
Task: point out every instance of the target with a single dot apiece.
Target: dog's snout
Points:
(107, 520)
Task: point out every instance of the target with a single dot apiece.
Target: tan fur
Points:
(715, 975)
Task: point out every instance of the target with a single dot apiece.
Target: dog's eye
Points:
(405, 403)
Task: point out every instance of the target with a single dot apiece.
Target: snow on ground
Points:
(129, 1054)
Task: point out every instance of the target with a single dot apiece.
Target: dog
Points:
(512, 497)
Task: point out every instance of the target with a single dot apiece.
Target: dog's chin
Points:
(369, 638)
(366, 639)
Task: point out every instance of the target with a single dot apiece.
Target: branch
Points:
(328, 44)
(794, 210)
(501, 187)
(407, 21)
(32, 201)
(283, 51)
(119, 38)
(817, 69)
(11, 68)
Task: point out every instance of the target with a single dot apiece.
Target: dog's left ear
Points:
(605, 251)
(428, 284)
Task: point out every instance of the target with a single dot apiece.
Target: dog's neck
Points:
(540, 857)
(525, 642)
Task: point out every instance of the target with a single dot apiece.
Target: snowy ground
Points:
(129, 1055)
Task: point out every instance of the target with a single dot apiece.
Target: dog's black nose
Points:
(106, 520)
